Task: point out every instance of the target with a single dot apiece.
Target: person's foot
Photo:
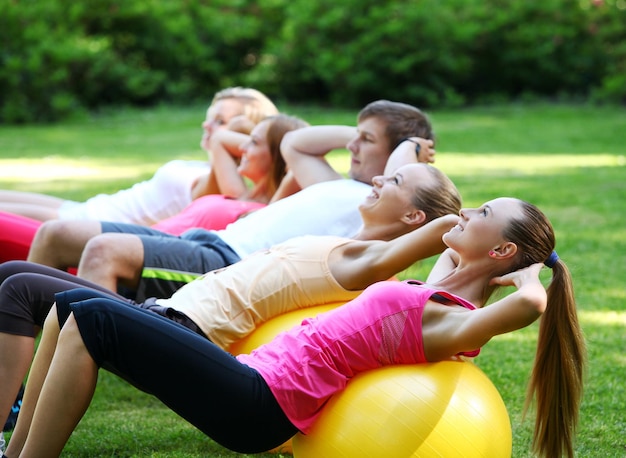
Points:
(15, 410)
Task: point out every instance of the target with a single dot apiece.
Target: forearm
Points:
(410, 151)
(304, 152)
(226, 156)
(517, 310)
(287, 187)
(419, 244)
(316, 140)
(446, 263)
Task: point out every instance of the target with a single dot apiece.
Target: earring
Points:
(492, 253)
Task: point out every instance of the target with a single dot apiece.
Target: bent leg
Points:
(42, 361)
(30, 211)
(112, 260)
(68, 389)
(16, 353)
(151, 264)
(39, 370)
(60, 244)
(30, 198)
(225, 399)
(27, 292)
(40, 207)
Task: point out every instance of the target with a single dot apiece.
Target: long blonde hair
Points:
(256, 105)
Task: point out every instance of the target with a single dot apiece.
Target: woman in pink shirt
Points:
(251, 403)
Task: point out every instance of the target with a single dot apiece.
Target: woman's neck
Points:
(471, 282)
(261, 191)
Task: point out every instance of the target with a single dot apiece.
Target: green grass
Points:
(569, 160)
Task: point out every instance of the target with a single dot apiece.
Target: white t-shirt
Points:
(327, 208)
(145, 203)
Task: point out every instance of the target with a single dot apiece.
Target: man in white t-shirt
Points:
(144, 263)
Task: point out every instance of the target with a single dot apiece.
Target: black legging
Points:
(27, 293)
(227, 400)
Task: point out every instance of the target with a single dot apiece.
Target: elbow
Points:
(287, 146)
(537, 303)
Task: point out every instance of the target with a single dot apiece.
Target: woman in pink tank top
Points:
(255, 402)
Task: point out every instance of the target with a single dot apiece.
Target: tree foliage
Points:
(57, 57)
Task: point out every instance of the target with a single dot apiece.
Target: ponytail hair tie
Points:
(552, 259)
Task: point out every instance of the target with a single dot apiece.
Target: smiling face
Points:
(391, 198)
(369, 150)
(480, 230)
(217, 117)
(256, 161)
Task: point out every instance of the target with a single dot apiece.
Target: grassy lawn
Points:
(569, 160)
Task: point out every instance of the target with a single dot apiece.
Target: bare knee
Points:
(45, 236)
(110, 259)
(60, 243)
(99, 250)
(42, 249)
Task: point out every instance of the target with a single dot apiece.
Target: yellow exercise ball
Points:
(268, 330)
(443, 409)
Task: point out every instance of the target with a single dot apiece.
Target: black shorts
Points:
(172, 261)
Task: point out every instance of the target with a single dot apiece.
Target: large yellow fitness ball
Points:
(268, 330)
(444, 409)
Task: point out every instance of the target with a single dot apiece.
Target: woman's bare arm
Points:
(466, 331)
(304, 151)
(362, 263)
(405, 153)
(288, 186)
(224, 145)
(446, 263)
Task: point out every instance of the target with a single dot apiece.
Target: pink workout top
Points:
(211, 212)
(306, 365)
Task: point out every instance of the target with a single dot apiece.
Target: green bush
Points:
(58, 57)
(33, 73)
(608, 24)
(433, 52)
(357, 50)
(534, 47)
